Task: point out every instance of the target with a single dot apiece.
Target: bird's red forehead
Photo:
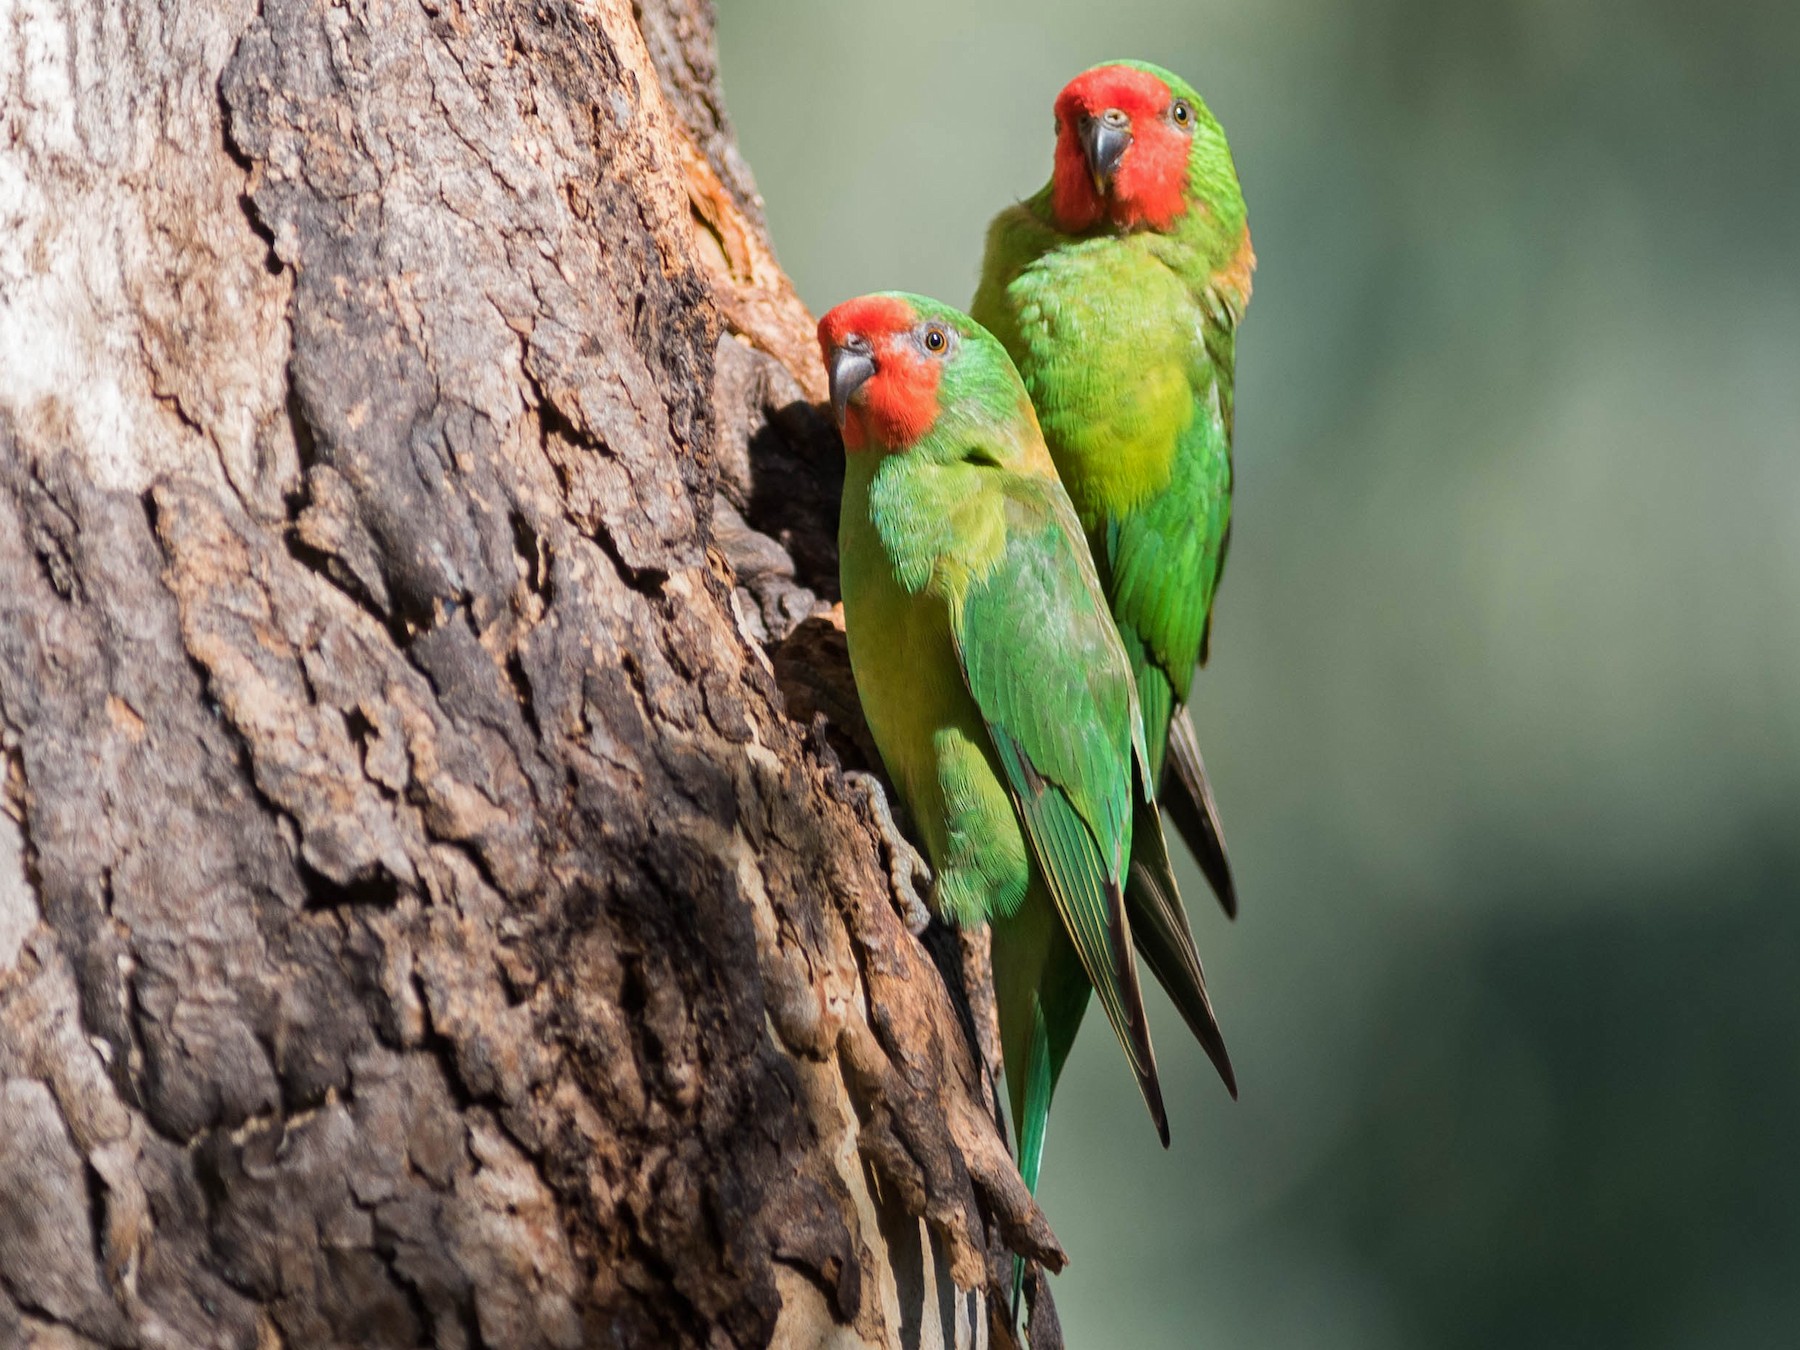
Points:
(1136, 93)
(873, 316)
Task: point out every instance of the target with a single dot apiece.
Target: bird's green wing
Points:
(1159, 926)
(1043, 662)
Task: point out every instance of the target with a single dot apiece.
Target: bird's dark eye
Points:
(936, 339)
(1182, 113)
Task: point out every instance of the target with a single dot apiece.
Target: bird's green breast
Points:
(1125, 345)
(907, 546)
(1107, 336)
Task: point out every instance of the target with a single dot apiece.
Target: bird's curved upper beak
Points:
(849, 369)
(1104, 140)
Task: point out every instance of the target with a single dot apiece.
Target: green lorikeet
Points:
(998, 692)
(1117, 290)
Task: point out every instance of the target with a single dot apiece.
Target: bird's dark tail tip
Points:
(1151, 1086)
(1221, 1060)
(1134, 1029)
(1187, 799)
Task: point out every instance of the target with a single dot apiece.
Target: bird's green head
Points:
(903, 366)
(1137, 148)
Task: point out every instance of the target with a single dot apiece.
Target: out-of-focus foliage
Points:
(1504, 710)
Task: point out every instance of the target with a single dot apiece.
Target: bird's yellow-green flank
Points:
(930, 733)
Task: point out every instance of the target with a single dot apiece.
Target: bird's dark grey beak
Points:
(851, 368)
(1103, 140)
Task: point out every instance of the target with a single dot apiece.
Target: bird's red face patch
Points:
(896, 405)
(1150, 184)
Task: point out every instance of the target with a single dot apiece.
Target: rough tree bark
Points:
(425, 919)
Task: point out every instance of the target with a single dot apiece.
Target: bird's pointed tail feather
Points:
(1187, 800)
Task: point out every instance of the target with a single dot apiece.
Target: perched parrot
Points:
(999, 694)
(1117, 290)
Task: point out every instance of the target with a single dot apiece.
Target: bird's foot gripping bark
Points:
(908, 871)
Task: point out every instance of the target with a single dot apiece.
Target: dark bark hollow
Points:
(424, 919)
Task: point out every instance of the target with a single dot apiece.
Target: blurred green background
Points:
(1504, 709)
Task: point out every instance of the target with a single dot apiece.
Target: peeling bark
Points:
(430, 908)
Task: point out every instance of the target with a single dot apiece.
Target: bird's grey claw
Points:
(907, 869)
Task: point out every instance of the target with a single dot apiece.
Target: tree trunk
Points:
(424, 917)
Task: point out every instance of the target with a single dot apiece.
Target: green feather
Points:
(1044, 664)
(1004, 706)
(1126, 343)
